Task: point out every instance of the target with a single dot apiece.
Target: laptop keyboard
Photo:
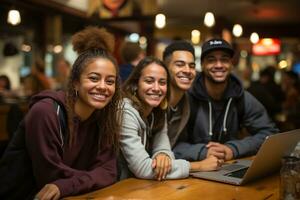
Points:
(238, 174)
(232, 167)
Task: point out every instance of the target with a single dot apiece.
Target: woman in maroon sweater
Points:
(87, 160)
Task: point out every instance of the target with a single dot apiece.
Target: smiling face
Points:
(96, 86)
(217, 66)
(152, 86)
(182, 69)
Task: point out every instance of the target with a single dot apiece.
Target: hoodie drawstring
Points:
(224, 120)
(210, 119)
(225, 116)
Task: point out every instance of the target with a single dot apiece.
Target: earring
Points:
(164, 104)
(134, 89)
(76, 93)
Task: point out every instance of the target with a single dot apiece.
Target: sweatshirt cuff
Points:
(234, 149)
(202, 153)
(64, 188)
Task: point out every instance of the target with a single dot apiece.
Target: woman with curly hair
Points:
(86, 161)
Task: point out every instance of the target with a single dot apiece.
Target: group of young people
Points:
(165, 120)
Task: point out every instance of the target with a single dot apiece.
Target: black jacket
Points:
(221, 121)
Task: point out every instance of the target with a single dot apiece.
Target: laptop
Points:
(266, 161)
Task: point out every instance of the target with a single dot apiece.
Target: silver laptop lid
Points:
(268, 158)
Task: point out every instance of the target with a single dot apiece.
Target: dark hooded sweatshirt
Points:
(221, 121)
(77, 169)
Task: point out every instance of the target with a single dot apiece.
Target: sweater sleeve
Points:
(161, 144)
(138, 159)
(191, 152)
(45, 149)
(258, 124)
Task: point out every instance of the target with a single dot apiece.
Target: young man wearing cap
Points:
(220, 107)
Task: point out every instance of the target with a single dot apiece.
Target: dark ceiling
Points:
(270, 18)
(279, 18)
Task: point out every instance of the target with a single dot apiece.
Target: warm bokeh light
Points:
(244, 53)
(160, 21)
(57, 49)
(254, 38)
(209, 19)
(195, 36)
(143, 42)
(267, 41)
(283, 64)
(237, 30)
(26, 48)
(14, 17)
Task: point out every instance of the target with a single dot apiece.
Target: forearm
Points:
(209, 164)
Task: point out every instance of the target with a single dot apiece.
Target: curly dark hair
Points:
(130, 87)
(93, 43)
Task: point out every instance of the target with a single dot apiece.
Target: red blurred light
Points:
(267, 46)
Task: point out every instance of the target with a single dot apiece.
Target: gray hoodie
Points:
(134, 135)
(221, 121)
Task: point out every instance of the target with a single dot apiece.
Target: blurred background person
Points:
(4, 83)
(131, 53)
(291, 105)
(267, 91)
(63, 69)
(5, 86)
(37, 80)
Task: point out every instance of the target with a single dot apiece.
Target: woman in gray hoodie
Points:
(146, 151)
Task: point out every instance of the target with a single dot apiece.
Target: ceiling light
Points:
(160, 21)
(195, 36)
(283, 64)
(57, 49)
(254, 38)
(134, 37)
(209, 19)
(237, 30)
(14, 17)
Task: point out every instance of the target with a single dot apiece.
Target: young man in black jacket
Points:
(220, 107)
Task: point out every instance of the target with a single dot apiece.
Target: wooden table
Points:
(186, 189)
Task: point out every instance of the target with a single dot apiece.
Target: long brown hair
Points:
(93, 43)
(130, 91)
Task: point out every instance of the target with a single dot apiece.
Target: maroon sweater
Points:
(81, 168)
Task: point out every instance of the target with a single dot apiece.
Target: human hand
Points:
(161, 165)
(221, 151)
(48, 192)
(209, 164)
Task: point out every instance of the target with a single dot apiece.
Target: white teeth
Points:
(99, 96)
(154, 96)
(218, 73)
(184, 78)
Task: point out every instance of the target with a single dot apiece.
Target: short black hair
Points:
(178, 46)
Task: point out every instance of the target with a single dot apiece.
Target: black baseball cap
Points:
(216, 44)
(180, 45)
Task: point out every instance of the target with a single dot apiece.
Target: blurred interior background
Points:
(37, 34)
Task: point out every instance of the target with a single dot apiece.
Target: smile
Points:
(99, 97)
(155, 96)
